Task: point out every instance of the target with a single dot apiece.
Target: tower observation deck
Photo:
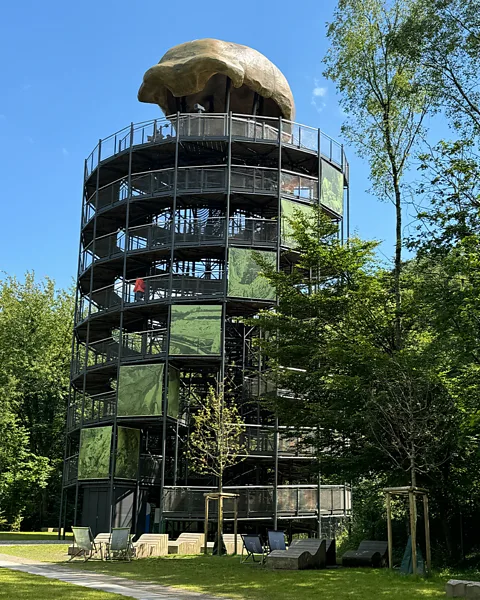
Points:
(174, 212)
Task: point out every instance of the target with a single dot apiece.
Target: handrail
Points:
(90, 202)
(173, 121)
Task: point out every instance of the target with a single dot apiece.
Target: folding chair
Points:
(253, 545)
(276, 540)
(120, 545)
(83, 538)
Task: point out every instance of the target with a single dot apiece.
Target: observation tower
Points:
(174, 211)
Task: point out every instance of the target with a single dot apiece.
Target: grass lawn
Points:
(18, 586)
(21, 536)
(225, 576)
(43, 552)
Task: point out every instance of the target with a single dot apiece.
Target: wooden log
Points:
(413, 531)
(389, 531)
(428, 549)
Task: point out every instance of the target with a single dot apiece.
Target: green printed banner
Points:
(195, 329)
(173, 407)
(140, 390)
(244, 277)
(289, 208)
(94, 455)
(128, 453)
(332, 188)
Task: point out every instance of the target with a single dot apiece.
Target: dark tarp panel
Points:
(244, 274)
(140, 390)
(128, 453)
(94, 455)
(195, 329)
(332, 188)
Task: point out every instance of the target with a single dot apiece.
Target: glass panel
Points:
(332, 188)
(288, 212)
(307, 500)
(244, 274)
(128, 451)
(195, 329)
(173, 406)
(94, 457)
(287, 500)
(140, 390)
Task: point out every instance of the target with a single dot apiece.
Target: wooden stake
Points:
(389, 531)
(427, 533)
(413, 530)
(205, 535)
(235, 525)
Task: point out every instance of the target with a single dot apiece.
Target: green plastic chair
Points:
(120, 545)
(83, 539)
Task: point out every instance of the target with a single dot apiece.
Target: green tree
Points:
(35, 349)
(444, 36)
(376, 407)
(216, 441)
(382, 94)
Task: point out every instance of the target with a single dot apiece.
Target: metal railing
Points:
(198, 179)
(188, 232)
(251, 231)
(144, 344)
(260, 440)
(299, 186)
(150, 469)
(70, 470)
(257, 502)
(158, 288)
(135, 345)
(199, 231)
(215, 125)
(100, 407)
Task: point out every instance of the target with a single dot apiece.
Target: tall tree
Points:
(379, 409)
(35, 346)
(382, 94)
(216, 441)
(444, 35)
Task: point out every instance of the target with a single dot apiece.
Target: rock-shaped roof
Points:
(195, 69)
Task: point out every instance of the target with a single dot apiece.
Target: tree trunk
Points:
(398, 265)
(220, 516)
(413, 471)
(398, 229)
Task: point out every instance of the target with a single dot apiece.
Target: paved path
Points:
(98, 581)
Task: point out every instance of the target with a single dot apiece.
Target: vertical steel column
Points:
(66, 436)
(227, 96)
(320, 169)
(279, 239)
(113, 454)
(348, 208)
(169, 324)
(175, 464)
(319, 486)
(225, 265)
(87, 339)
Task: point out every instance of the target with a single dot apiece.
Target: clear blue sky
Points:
(69, 75)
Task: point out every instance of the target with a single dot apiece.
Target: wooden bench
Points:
(461, 588)
(302, 554)
(229, 541)
(186, 543)
(368, 554)
(151, 544)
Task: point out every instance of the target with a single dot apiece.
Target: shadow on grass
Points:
(225, 576)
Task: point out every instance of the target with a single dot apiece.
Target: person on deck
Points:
(139, 289)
